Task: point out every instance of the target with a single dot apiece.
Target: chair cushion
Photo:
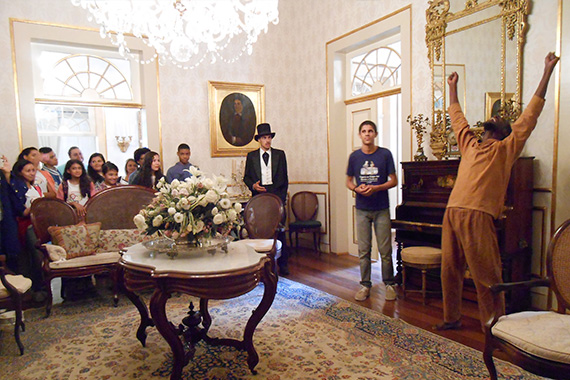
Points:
(78, 240)
(117, 239)
(21, 283)
(421, 255)
(545, 334)
(262, 245)
(305, 224)
(96, 259)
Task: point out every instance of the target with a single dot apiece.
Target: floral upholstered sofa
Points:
(74, 248)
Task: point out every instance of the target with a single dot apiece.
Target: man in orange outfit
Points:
(468, 234)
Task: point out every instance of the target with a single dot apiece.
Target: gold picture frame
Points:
(235, 110)
(493, 103)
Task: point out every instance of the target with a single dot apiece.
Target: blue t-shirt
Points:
(371, 169)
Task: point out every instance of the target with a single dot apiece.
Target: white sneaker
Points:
(362, 294)
(390, 293)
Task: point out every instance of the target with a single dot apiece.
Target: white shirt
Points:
(31, 195)
(266, 178)
(41, 181)
(74, 194)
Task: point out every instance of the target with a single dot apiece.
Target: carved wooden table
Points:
(200, 274)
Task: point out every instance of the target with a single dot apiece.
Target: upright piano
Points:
(425, 191)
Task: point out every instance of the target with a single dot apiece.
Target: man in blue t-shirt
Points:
(372, 168)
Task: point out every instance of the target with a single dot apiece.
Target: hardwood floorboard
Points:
(340, 276)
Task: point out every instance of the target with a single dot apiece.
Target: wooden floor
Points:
(340, 276)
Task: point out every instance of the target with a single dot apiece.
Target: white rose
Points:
(184, 192)
(157, 221)
(184, 204)
(208, 183)
(174, 193)
(202, 201)
(178, 217)
(211, 196)
(175, 183)
(218, 219)
(237, 207)
(215, 211)
(171, 211)
(225, 203)
(140, 222)
(232, 214)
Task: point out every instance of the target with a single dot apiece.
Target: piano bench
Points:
(424, 259)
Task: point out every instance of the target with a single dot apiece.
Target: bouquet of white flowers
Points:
(198, 209)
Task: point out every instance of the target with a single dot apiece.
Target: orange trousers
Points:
(469, 238)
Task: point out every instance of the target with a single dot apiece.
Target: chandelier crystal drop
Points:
(185, 32)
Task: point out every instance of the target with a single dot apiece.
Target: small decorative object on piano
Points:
(197, 209)
(438, 135)
(419, 124)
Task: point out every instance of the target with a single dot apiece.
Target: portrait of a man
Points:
(237, 119)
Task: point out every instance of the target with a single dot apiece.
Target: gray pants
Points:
(365, 220)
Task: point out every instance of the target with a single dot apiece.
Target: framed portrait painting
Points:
(493, 103)
(235, 110)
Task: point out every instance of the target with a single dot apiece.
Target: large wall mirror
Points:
(483, 41)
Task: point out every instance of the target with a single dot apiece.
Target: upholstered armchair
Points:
(537, 341)
(12, 289)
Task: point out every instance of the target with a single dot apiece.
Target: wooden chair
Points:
(262, 217)
(536, 341)
(305, 205)
(12, 290)
(116, 207)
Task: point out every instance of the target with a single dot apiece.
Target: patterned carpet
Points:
(306, 334)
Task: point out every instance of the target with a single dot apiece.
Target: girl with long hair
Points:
(150, 172)
(76, 187)
(95, 170)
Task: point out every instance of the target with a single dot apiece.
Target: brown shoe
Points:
(448, 326)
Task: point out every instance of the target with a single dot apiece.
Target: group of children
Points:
(36, 174)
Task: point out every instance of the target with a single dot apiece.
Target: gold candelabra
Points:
(123, 142)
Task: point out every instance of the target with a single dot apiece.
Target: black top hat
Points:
(263, 130)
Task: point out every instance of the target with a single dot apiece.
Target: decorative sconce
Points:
(123, 142)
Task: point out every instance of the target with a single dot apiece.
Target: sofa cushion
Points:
(115, 240)
(96, 259)
(77, 240)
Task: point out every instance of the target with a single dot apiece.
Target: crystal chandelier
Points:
(185, 32)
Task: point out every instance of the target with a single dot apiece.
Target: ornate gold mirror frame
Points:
(489, 37)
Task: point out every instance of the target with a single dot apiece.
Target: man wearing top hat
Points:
(266, 171)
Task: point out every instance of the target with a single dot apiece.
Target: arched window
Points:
(376, 70)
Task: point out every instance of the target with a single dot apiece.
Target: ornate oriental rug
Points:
(307, 334)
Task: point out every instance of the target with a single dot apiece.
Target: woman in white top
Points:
(43, 179)
(76, 187)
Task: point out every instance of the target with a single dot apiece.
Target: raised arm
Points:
(549, 63)
(452, 82)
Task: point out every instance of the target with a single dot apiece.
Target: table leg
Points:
(206, 317)
(270, 288)
(168, 332)
(139, 304)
